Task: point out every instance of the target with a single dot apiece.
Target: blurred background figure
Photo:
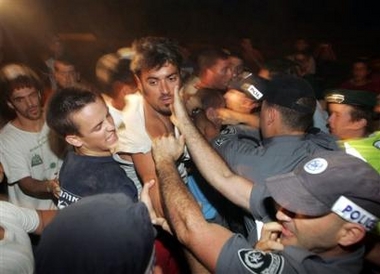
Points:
(361, 77)
(53, 50)
(253, 57)
(302, 55)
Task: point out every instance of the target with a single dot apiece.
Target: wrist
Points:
(48, 187)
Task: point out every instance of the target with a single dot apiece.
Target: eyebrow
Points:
(157, 78)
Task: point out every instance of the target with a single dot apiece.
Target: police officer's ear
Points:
(359, 124)
(350, 234)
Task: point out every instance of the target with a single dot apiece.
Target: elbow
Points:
(188, 231)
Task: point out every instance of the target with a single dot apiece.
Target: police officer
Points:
(351, 120)
(324, 211)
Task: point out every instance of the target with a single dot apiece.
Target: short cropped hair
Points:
(154, 52)
(63, 104)
(208, 57)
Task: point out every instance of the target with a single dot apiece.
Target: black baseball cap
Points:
(331, 181)
(362, 98)
(287, 90)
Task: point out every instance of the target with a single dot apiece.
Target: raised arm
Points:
(213, 168)
(205, 240)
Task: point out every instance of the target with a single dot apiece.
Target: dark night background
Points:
(91, 28)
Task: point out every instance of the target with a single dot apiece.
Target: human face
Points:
(239, 102)
(237, 66)
(65, 75)
(221, 74)
(157, 86)
(26, 102)
(360, 71)
(316, 234)
(97, 129)
(340, 122)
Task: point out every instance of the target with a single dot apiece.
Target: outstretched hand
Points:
(178, 109)
(270, 239)
(168, 147)
(145, 198)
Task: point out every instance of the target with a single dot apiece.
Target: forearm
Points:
(213, 168)
(248, 119)
(145, 168)
(45, 217)
(180, 208)
(36, 188)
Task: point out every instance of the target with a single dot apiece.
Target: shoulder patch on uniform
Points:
(228, 131)
(259, 262)
(376, 144)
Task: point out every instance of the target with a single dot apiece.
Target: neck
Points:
(337, 251)
(28, 125)
(157, 123)
(88, 152)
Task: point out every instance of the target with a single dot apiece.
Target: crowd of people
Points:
(212, 160)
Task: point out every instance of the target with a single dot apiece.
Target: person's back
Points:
(285, 138)
(105, 233)
(83, 120)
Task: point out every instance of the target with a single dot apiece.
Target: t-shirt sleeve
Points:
(133, 137)
(14, 162)
(256, 203)
(237, 256)
(26, 218)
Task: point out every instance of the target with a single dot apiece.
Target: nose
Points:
(110, 124)
(330, 119)
(164, 87)
(282, 216)
(29, 101)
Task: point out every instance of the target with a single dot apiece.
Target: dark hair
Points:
(123, 73)
(210, 98)
(63, 104)
(208, 57)
(17, 76)
(296, 120)
(154, 52)
(13, 77)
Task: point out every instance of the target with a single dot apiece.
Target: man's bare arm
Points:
(45, 216)
(145, 169)
(203, 239)
(213, 168)
(40, 189)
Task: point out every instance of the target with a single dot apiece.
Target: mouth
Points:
(285, 232)
(112, 138)
(167, 99)
(33, 110)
